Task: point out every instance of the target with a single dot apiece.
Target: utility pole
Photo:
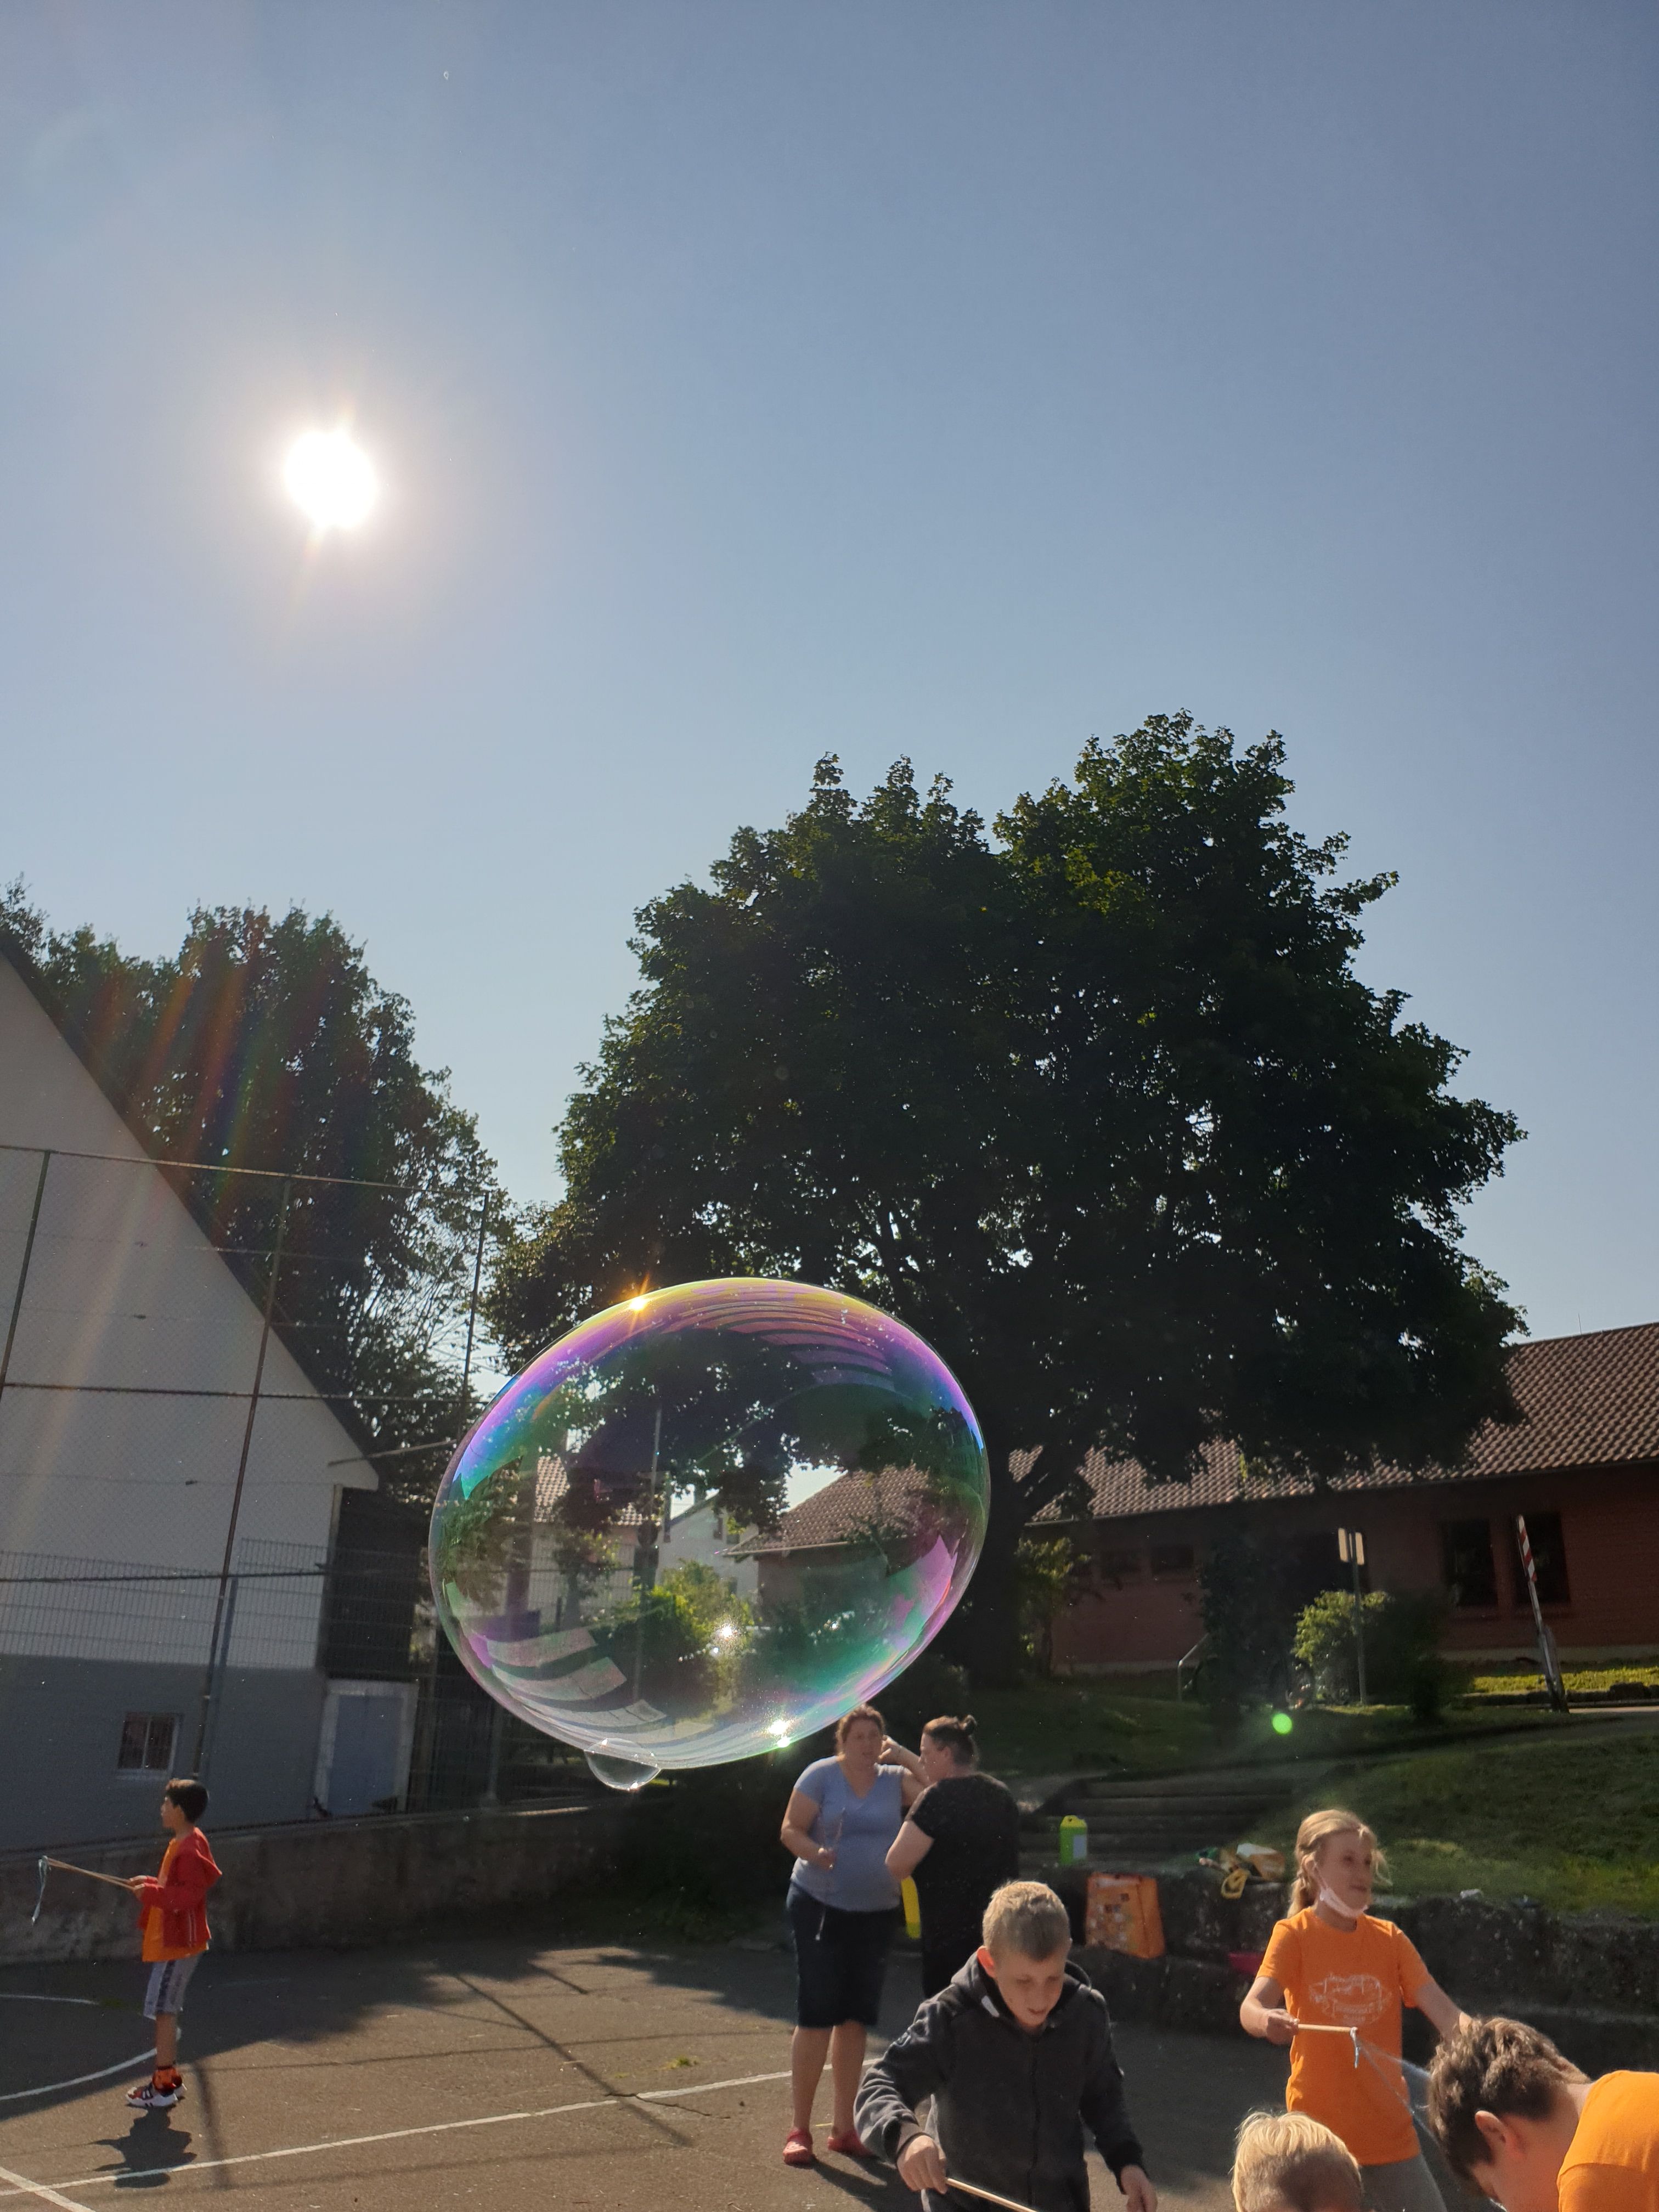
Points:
(1351, 1547)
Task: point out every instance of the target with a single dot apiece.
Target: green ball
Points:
(1283, 1724)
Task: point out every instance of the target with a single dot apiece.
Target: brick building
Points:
(1584, 1468)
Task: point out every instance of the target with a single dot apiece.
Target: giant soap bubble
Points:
(708, 1521)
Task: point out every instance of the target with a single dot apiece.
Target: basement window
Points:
(147, 1742)
(1468, 1567)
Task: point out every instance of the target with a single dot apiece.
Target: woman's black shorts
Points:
(840, 1959)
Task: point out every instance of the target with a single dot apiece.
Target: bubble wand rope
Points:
(1321, 2027)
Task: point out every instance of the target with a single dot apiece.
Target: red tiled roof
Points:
(1589, 1401)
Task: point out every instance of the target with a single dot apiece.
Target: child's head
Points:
(1028, 1935)
(1503, 2111)
(1336, 1851)
(1290, 2162)
(183, 1803)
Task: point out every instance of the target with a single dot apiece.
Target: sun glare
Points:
(331, 479)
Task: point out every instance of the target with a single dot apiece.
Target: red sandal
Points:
(851, 2145)
(798, 2147)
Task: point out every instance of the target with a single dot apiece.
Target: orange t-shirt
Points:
(152, 1949)
(1612, 2164)
(1350, 1978)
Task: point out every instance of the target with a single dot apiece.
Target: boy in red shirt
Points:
(175, 1933)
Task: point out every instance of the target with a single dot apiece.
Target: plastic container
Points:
(912, 1904)
(1073, 1840)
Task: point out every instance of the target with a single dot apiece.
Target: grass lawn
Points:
(1071, 1728)
(1580, 1680)
(1574, 1824)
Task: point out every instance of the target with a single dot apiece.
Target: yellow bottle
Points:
(912, 1908)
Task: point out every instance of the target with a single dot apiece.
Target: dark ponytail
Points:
(956, 1734)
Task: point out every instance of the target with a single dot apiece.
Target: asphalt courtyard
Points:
(498, 2075)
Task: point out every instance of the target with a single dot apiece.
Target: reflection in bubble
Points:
(707, 1522)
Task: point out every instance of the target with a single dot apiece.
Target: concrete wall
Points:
(63, 1728)
(345, 1883)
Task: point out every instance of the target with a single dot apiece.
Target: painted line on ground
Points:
(144, 2058)
(42, 1996)
(39, 2189)
(679, 2096)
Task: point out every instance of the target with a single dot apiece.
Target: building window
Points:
(147, 1740)
(1549, 1560)
(1470, 1571)
(1172, 1558)
(1120, 1567)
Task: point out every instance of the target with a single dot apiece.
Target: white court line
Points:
(39, 2189)
(396, 2134)
(40, 1996)
(121, 2066)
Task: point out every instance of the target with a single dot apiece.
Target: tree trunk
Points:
(984, 1634)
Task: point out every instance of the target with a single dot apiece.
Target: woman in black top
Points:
(960, 1842)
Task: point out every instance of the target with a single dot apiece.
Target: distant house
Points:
(130, 1351)
(1584, 1469)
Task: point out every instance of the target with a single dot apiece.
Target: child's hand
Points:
(921, 2167)
(1138, 2194)
(136, 1883)
(1278, 2025)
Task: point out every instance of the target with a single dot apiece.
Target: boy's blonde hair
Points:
(1318, 1828)
(1028, 1917)
(1290, 2162)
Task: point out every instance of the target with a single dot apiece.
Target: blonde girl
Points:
(1330, 1965)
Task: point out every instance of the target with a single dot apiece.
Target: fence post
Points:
(241, 1473)
(222, 1663)
(23, 1271)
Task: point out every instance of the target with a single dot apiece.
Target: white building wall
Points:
(124, 1300)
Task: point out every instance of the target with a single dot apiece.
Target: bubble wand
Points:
(1008, 2203)
(63, 1866)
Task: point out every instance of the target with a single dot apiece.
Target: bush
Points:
(1403, 1664)
(1249, 1621)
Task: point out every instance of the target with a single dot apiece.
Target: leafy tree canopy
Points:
(1101, 1108)
(267, 1044)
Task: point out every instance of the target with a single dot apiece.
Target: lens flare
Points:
(707, 1522)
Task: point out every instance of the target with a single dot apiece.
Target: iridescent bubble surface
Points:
(708, 1521)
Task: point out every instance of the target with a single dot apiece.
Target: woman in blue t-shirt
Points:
(843, 1815)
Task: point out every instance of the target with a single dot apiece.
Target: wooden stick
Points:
(1008, 2203)
(63, 1866)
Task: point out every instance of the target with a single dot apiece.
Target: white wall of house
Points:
(121, 1424)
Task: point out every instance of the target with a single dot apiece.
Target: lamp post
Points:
(1351, 1547)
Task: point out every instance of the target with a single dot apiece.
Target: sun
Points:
(331, 479)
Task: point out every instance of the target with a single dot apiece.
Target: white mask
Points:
(1329, 1896)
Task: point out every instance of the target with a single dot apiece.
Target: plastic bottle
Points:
(1073, 1840)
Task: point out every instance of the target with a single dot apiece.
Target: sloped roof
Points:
(1589, 1400)
(837, 1512)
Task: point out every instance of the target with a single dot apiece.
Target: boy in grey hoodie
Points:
(1017, 2056)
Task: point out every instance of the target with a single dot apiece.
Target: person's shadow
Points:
(152, 2148)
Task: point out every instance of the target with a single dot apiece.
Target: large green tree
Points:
(1101, 1108)
(265, 1044)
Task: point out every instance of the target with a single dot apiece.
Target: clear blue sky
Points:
(751, 381)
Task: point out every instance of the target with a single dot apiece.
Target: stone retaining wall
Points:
(331, 1882)
(1589, 1980)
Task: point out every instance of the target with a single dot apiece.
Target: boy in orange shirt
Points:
(175, 1933)
(1522, 2125)
(1333, 1985)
